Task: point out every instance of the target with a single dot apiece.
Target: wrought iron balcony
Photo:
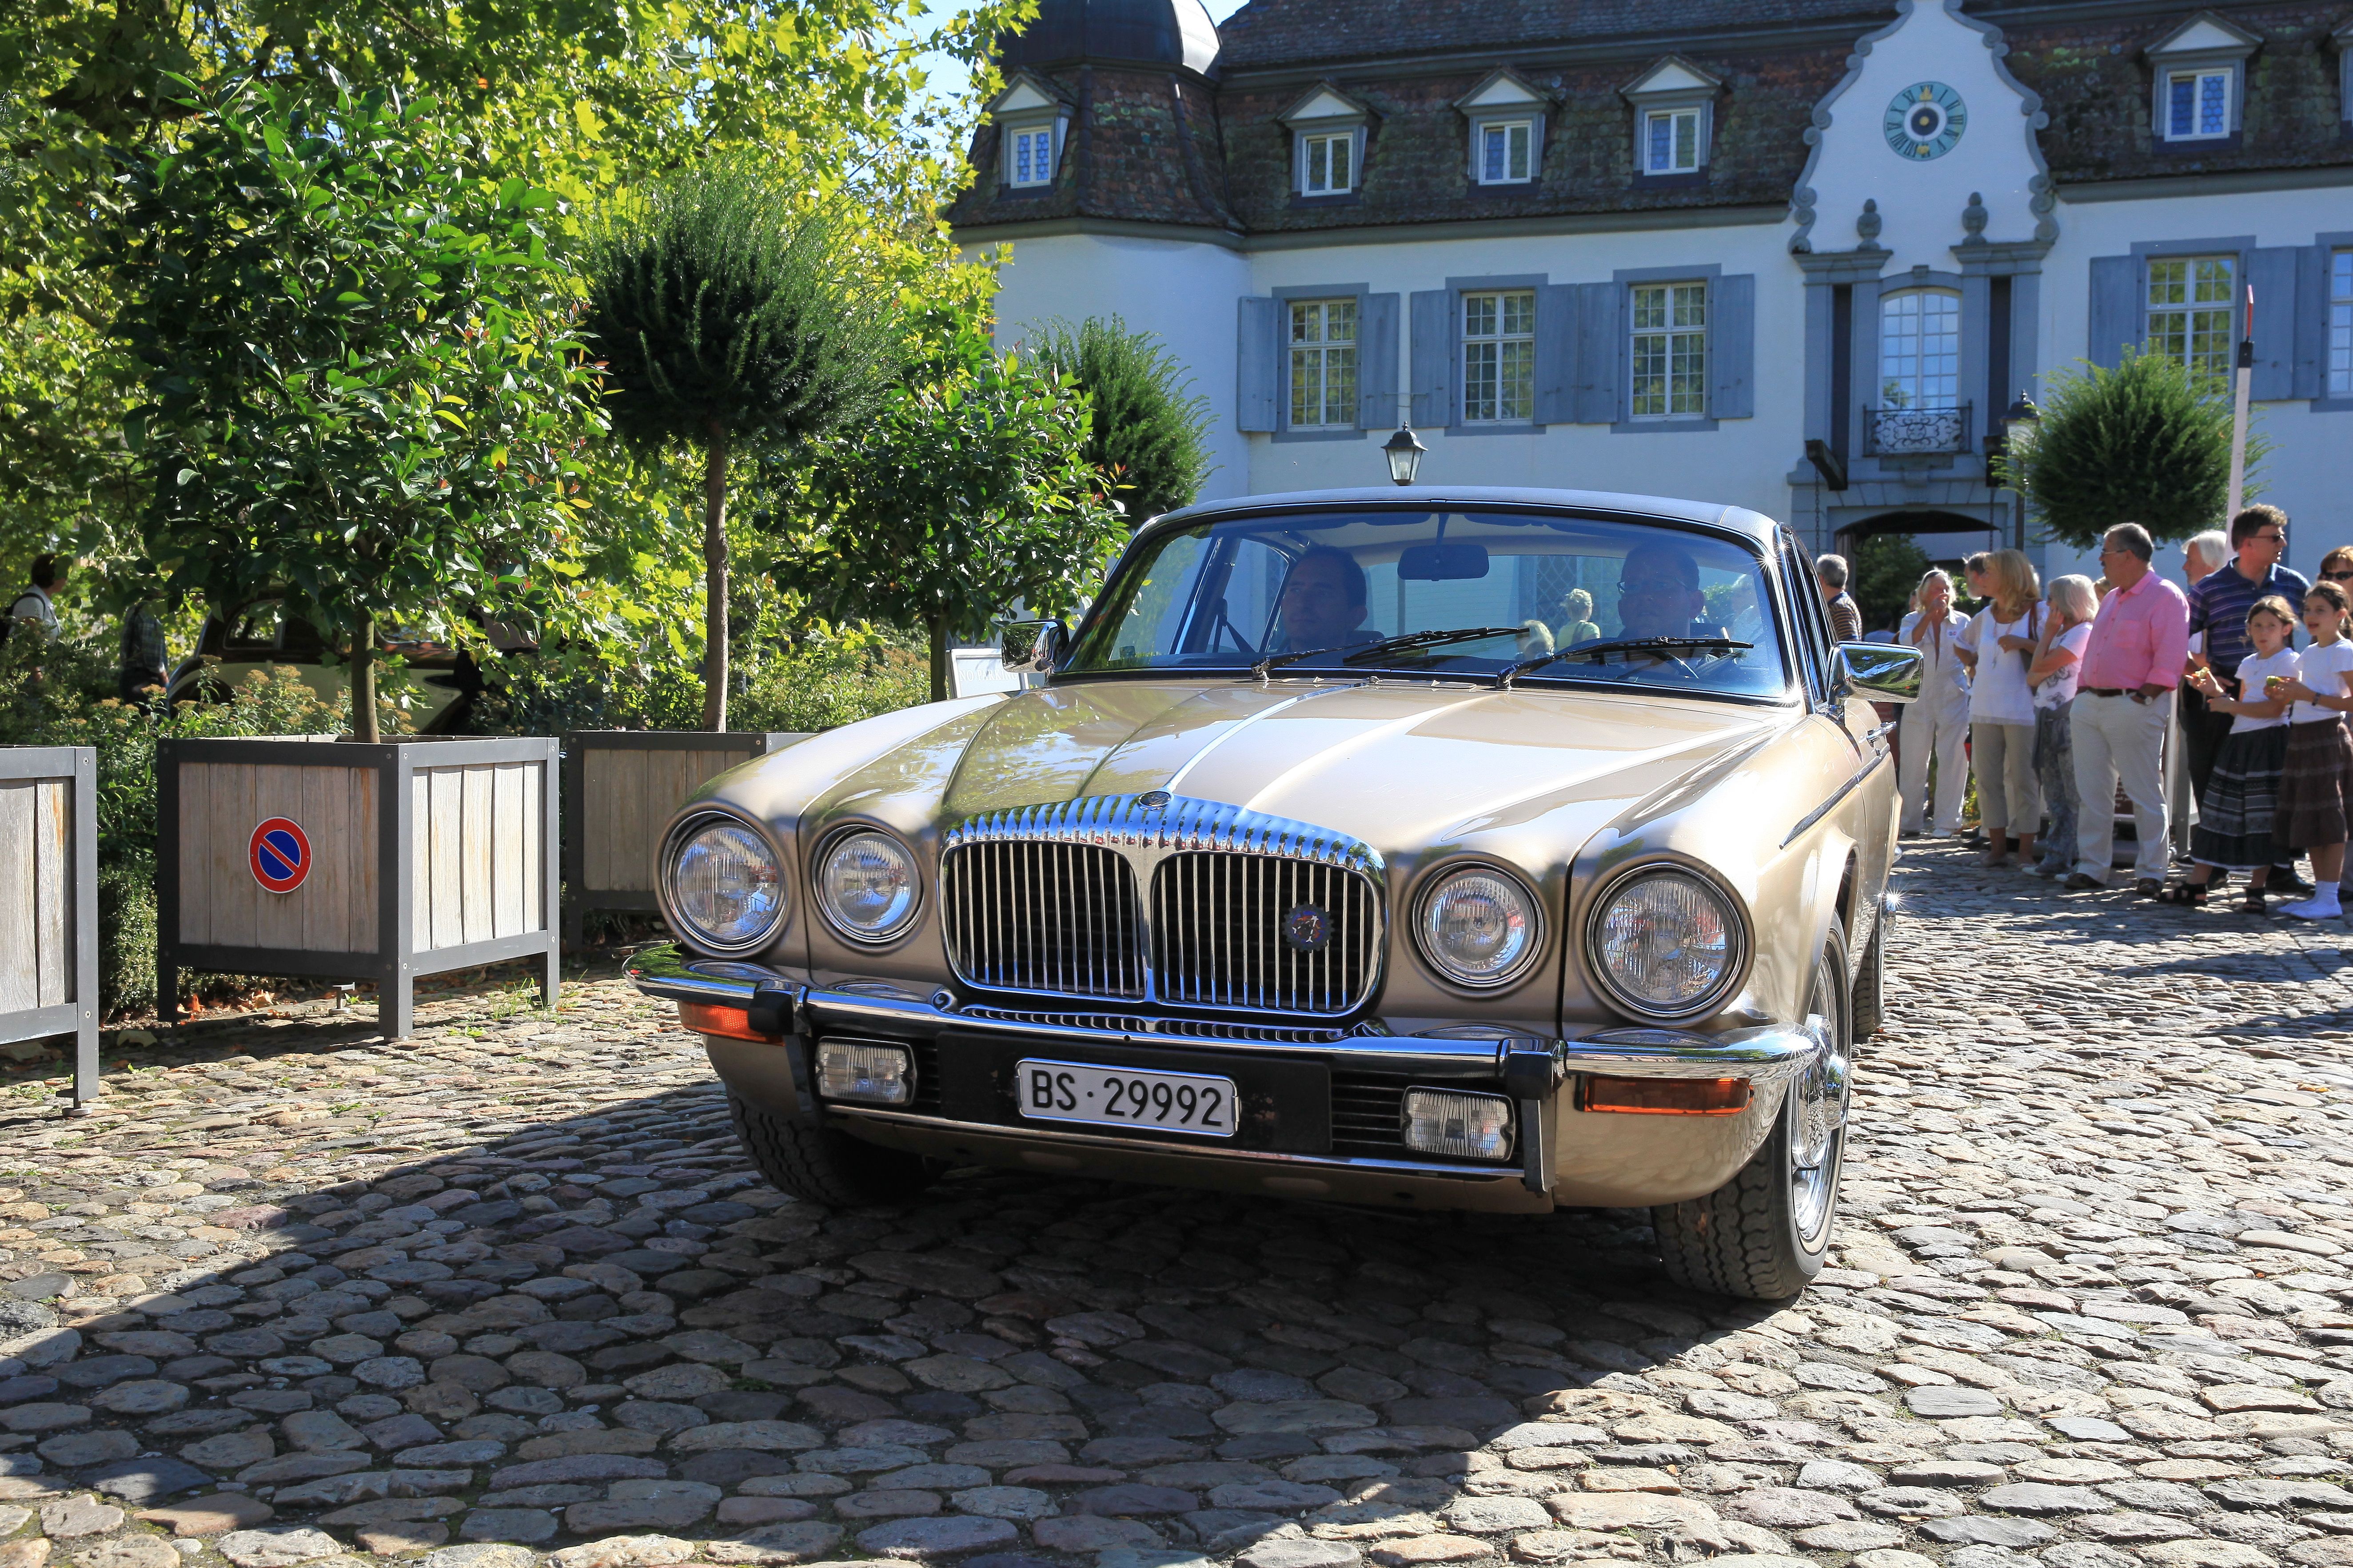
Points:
(1915, 432)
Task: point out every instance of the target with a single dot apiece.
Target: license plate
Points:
(1116, 1097)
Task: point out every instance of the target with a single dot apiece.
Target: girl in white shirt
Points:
(2317, 779)
(2058, 664)
(2236, 819)
(2001, 709)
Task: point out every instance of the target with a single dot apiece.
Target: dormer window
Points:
(1327, 165)
(2196, 105)
(1032, 123)
(1506, 152)
(1675, 119)
(2199, 73)
(1506, 118)
(1328, 133)
(1029, 160)
(1671, 141)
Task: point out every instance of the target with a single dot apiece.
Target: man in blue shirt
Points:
(2219, 606)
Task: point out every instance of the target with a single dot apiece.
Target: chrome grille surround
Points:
(1013, 883)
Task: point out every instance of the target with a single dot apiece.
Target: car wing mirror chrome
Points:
(1877, 671)
(1030, 647)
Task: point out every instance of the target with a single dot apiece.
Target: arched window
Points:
(1920, 349)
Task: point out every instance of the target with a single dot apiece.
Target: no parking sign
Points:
(281, 854)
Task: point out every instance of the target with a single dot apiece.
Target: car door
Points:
(1855, 813)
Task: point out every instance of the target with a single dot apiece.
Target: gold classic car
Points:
(1507, 850)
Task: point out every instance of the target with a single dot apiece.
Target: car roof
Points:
(1752, 525)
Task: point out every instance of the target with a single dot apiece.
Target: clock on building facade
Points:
(1924, 120)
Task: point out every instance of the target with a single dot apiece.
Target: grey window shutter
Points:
(1556, 353)
(1255, 378)
(1433, 358)
(1732, 347)
(2311, 378)
(1601, 349)
(1376, 362)
(2271, 273)
(2116, 309)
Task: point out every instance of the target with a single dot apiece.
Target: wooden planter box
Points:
(424, 856)
(621, 789)
(49, 902)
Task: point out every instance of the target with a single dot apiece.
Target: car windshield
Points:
(1459, 594)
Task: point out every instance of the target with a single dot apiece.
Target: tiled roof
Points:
(1167, 148)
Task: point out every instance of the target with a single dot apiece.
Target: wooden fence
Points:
(330, 859)
(49, 902)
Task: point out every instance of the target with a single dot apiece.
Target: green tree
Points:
(725, 320)
(365, 394)
(967, 492)
(1887, 567)
(1147, 425)
(2147, 442)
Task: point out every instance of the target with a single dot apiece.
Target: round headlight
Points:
(1478, 927)
(1666, 944)
(866, 885)
(724, 885)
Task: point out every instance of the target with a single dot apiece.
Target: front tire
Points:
(1763, 1234)
(821, 1165)
(1870, 998)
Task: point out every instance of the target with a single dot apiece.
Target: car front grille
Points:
(1266, 934)
(1056, 919)
(1249, 913)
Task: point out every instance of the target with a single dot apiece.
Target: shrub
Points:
(1887, 568)
(1148, 422)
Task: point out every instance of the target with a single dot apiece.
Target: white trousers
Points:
(1938, 731)
(2117, 740)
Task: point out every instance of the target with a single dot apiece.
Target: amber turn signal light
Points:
(1666, 1096)
(727, 1023)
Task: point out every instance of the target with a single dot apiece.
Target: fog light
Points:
(1466, 1126)
(878, 1075)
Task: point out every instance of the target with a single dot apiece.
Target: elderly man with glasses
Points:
(2123, 704)
(2218, 603)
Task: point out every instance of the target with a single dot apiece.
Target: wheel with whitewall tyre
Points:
(1870, 998)
(1763, 1233)
(822, 1165)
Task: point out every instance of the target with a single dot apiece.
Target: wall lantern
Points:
(1404, 454)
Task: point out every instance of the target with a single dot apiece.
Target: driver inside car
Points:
(1659, 594)
(1323, 601)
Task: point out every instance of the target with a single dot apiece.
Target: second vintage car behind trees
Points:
(1501, 850)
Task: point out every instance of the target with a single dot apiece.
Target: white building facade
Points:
(1804, 265)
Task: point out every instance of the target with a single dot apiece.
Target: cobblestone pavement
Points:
(509, 1289)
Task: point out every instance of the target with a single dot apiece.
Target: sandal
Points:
(2190, 893)
(2254, 904)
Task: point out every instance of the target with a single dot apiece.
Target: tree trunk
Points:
(938, 626)
(363, 725)
(714, 570)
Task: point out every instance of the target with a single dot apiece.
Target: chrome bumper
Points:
(1772, 1054)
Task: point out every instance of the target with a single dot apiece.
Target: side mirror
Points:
(1877, 671)
(1029, 647)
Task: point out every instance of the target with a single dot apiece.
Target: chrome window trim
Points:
(1146, 831)
(832, 841)
(666, 869)
(1736, 973)
(1426, 886)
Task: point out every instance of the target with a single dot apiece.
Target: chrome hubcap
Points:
(1817, 1112)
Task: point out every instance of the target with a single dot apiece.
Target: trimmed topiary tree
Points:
(726, 320)
(2147, 442)
(1147, 425)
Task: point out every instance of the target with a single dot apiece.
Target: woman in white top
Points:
(2316, 776)
(2058, 664)
(2236, 819)
(2001, 709)
(1937, 726)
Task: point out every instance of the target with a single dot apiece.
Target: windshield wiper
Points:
(1274, 660)
(1429, 639)
(1618, 645)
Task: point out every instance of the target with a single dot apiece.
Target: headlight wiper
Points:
(1429, 639)
(1619, 645)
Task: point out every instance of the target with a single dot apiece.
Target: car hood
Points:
(1399, 765)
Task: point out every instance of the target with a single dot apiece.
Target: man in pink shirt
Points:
(2124, 702)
